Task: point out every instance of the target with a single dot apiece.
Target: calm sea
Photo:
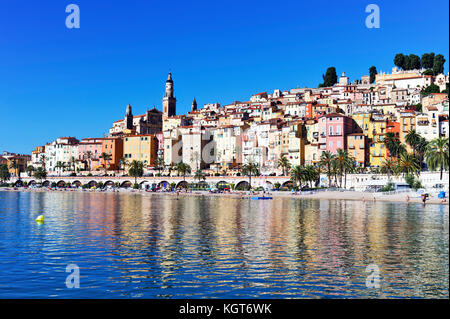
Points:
(156, 246)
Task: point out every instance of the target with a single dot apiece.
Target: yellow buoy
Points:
(40, 219)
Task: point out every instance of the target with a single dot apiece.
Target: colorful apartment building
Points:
(357, 148)
(142, 147)
(113, 147)
(377, 152)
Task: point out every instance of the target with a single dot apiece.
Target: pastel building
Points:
(141, 147)
(357, 148)
(63, 149)
(378, 151)
(113, 147)
(333, 131)
(89, 151)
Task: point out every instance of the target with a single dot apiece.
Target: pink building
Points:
(160, 138)
(333, 131)
(94, 146)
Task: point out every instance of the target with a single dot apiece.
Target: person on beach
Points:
(424, 198)
(407, 198)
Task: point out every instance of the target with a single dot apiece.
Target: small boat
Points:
(261, 198)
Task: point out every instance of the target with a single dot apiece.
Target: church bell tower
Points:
(169, 100)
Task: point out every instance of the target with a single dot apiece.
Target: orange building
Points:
(114, 147)
(357, 148)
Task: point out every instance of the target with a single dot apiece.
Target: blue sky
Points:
(56, 81)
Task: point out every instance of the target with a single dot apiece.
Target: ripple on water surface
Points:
(152, 246)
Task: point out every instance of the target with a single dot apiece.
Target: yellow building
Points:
(141, 148)
(376, 126)
(363, 121)
(407, 123)
(377, 150)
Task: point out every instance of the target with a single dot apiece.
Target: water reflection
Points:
(131, 245)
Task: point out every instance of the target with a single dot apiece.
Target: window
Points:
(330, 144)
(338, 143)
(338, 130)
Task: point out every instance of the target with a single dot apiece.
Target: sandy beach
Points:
(327, 195)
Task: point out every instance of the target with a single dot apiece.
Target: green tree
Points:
(123, 163)
(183, 169)
(42, 160)
(412, 139)
(298, 176)
(15, 166)
(199, 175)
(389, 167)
(136, 170)
(399, 61)
(250, 169)
(438, 64)
(40, 173)
(372, 72)
(106, 158)
(4, 173)
(437, 154)
(408, 164)
(427, 60)
(432, 88)
(283, 162)
(72, 163)
(393, 145)
(30, 169)
(344, 164)
(159, 164)
(329, 78)
(326, 161)
(413, 62)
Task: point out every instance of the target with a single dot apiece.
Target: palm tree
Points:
(298, 176)
(42, 159)
(15, 166)
(408, 164)
(250, 169)
(40, 173)
(159, 164)
(283, 162)
(311, 174)
(344, 164)
(136, 170)
(421, 148)
(199, 175)
(89, 159)
(106, 158)
(393, 145)
(183, 169)
(412, 138)
(72, 163)
(30, 170)
(123, 163)
(437, 154)
(4, 173)
(326, 161)
(389, 166)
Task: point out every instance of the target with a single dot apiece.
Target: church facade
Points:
(151, 121)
